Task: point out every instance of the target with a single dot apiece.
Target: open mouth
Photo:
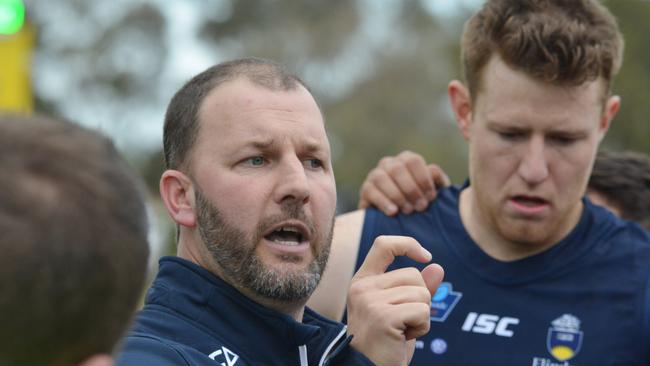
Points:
(529, 201)
(529, 205)
(288, 234)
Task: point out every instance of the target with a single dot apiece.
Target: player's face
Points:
(265, 188)
(532, 147)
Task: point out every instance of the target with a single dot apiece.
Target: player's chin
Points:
(527, 232)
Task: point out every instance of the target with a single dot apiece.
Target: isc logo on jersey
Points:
(490, 324)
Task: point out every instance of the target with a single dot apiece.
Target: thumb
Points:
(433, 275)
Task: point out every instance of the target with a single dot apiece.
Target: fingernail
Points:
(391, 209)
(426, 253)
(407, 208)
(421, 204)
(431, 195)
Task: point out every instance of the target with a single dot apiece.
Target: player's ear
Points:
(461, 105)
(177, 193)
(612, 105)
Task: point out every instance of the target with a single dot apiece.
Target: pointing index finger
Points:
(386, 248)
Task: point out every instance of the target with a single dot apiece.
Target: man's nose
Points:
(533, 167)
(292, 182)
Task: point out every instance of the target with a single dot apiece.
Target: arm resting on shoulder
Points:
(330, 296)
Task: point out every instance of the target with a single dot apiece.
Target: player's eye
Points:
(256, 161)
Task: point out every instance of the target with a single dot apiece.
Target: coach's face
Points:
(532, 146)
(264, 186)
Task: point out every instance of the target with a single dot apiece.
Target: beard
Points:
(233, 250)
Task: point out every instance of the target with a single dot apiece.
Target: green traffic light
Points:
(12, 16)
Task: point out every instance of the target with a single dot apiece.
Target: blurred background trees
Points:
(378, 68)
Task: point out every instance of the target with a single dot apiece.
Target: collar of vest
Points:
(208, 300)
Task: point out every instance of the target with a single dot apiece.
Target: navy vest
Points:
(583, 302)
(192, 317)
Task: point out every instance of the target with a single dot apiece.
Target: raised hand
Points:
(388, 310)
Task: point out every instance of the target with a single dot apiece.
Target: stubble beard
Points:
(517, 234)
(234, 252)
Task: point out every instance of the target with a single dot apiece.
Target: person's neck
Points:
(486, 235)
(197, 254)
(295, 310)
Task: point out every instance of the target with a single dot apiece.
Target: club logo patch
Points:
(443, 302)
(564, 337)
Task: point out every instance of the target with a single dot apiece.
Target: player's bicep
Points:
(330, 296)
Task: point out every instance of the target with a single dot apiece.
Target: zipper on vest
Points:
(339, 339)
(302, 350)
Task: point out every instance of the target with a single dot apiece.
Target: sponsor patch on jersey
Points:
(564, 337)
(443, 302)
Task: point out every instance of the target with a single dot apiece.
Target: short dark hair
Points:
(623, 178)
(182, 117)
(73, 239)
(557, 41)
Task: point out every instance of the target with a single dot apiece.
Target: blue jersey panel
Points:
(582, 302)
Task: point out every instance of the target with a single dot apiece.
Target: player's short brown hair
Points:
(566, 42)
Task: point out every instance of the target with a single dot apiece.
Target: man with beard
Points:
(534, 274)
(250, 185)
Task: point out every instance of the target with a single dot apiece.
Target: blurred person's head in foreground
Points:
(74, 244)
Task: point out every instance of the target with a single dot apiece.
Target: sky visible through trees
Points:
(379, 69)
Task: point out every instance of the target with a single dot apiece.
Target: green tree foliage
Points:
(379, 69)
(631, 128)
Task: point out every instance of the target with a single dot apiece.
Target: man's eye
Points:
(563, 140)
(511, 136)
(256, 161)
(314, 163)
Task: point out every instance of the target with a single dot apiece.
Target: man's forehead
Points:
(241, 91)
(497, 74)
(241, 95)
(260, 115)
(261, 141)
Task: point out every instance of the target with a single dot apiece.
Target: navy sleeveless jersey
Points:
(583, 302)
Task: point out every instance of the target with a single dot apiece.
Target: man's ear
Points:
(177, 192)
(461, 105)
(612, 106)
(97, 360)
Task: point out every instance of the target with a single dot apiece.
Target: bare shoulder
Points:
(345, 242)
(330, 296)
(348, 227)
